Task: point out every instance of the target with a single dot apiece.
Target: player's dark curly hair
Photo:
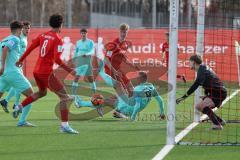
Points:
(196, 58)
(16, 25)
(56, 20)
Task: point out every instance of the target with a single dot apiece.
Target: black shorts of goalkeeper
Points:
(217, 96)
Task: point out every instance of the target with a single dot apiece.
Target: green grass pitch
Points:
(107, 138)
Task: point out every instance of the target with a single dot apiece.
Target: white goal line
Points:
(167, 148)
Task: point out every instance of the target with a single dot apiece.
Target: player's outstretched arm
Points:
(160, 103)
(189, 92)
(136, 109)
(58, 60)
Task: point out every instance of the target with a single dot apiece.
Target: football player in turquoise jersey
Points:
(12, 92)
(10, 74)
(124, 106)
(142, 95)
(83, 61)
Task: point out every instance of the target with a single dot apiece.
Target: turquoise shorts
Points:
(16, 80)
(3, 88)
(124, 108)
(84, 66)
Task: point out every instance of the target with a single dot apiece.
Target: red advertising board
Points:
(219, 49)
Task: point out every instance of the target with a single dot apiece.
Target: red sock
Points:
(64, 114)
(27, 101)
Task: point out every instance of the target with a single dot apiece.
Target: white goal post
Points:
(172, 72)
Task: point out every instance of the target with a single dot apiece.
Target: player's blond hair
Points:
(124, 26)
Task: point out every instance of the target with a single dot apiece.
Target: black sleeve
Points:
(193, 88)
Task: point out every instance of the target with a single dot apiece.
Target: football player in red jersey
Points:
(118, 61)
(165, 52)
(50, 45)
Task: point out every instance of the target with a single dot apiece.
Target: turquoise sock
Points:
(83, 103)
(10, 94)
(108, 80)
(17, 98)
(93, 86)
(86, 104)
(25, 113)
(74, 88)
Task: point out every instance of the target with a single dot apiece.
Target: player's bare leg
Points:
(205, 106)
(32, 97)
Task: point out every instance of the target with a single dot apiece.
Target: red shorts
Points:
(45, 81)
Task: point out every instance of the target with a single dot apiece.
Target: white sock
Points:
(64, 124)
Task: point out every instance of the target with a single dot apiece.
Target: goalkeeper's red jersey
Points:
(50, 49)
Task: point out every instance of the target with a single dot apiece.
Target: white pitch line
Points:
(167, 148)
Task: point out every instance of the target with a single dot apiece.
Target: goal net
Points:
(215, 37)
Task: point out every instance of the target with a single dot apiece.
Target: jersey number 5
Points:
(43, 49)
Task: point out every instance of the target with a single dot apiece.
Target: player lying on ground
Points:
(214, 90)
(12, 92)
(82, 61)
(79, 102)
(98, 69)
(10, 75)
(142, 95)
(165, 55)
(50, 44)
(116, 56)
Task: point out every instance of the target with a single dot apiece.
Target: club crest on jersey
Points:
(11, 42)
(60, 48)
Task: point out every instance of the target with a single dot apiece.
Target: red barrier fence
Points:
(219, 51)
